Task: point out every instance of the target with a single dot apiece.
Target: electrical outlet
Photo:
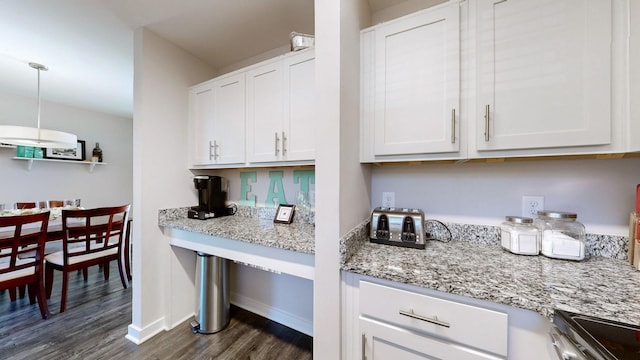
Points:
(388, 199)
(531, 205)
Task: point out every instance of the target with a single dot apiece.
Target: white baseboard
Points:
(188, 317)
(137, 335)
(285, 318)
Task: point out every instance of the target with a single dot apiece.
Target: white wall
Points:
(109, 184)
(254, 59)
(342, 198)
(401, 9)
(601, 191)
(634, 70)
(166, 295)
(162, 74)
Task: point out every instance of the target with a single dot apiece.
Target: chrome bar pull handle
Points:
(433, 320)
(487, 118)
(284, 144)
(453, 126)
(364, 344)
(213, 146)
(277, 149)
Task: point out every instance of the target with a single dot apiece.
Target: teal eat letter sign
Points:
(304, 178)
(245, 188)
(276, 190)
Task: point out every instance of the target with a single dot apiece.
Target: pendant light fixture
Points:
(37, 137)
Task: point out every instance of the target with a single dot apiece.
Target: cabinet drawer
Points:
(465, 324)
(384, 342)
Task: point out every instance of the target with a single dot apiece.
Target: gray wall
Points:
(109, 184)
(601, 192)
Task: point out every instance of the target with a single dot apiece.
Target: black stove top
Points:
(599, 338)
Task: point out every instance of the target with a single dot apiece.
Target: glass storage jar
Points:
(561, 235)
(519, 235)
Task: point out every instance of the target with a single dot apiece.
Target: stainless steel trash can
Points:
(212, 294)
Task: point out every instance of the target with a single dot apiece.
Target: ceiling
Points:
(88, 44)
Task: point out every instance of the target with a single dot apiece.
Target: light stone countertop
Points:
(598, 286)
(258, 229)
(477, 267)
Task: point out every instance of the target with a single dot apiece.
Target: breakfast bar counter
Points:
(249, 237)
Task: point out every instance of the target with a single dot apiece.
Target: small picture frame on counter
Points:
(284, 214)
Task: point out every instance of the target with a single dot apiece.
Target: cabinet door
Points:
(432, 316)
(298, 142)
(544, 73)
(382, 342)
(264, 112)
(417, 83)
(201, 123)
(229, 120)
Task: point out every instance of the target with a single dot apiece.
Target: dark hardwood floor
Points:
(95, 324)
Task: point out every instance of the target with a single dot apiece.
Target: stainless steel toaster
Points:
(398, 227)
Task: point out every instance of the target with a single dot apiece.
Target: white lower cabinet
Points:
(383, 341)
(388, 320)
(396, 321)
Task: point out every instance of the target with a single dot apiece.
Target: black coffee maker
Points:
(212, 197)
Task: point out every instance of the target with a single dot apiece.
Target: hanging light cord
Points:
(38, 67)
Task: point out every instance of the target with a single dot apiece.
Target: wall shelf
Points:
(30, 162)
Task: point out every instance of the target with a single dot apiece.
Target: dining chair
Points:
(127, 249)
(90, 237)
(56, 203)
(19, 234)
(25, 205)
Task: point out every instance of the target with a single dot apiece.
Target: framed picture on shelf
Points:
(284, 214)
(67, 154)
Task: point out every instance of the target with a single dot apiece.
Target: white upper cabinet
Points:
(201, 123)
(299, 107)
(500, 78)
(280, 110)
(265, 112)
(411, 84)
(544, 74)
(217, 121)
(229, 120)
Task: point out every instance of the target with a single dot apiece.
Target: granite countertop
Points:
(598, 286)
(473, 264)
(251, 227)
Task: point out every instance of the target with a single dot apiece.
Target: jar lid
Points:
(519, 219)
(557, 214)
